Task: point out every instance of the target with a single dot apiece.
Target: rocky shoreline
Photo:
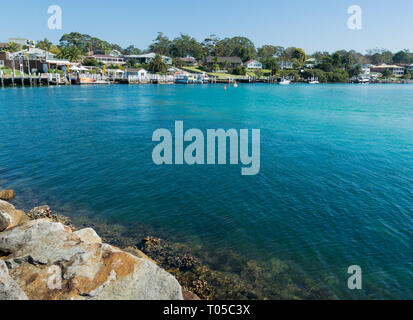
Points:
(43, 257)
(200, 273)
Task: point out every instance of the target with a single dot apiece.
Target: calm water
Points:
(335, 186)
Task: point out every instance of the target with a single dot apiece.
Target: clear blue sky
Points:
(312, 25)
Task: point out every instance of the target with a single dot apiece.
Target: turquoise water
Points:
(335, 187)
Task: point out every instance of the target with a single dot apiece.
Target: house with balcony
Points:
(109, 59)
(253, 64)
(284, 64)
(147, 58)
(396, 70)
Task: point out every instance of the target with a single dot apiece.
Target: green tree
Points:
(73, 54)
(186, 46)
(300, 55)
(158, 65)
(161, 45)
(92, 62)
(387, 74)
(12, 47)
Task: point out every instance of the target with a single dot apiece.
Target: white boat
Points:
(284, 81)
(313, 81)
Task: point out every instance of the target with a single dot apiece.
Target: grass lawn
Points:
(9, 71)
(250, 73)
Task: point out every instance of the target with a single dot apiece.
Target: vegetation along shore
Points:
(84, 59)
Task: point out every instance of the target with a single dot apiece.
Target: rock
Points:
(6, 194)
(9, 289)
(42, 212)
(188, 295)
(88, 235)
(5, 221)
(10, 217)
(48, 261)
(137, 253)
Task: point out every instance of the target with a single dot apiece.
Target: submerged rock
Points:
(49, 261)
(6, 194)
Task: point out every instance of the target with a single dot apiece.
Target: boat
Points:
(182, 79)
(313, 80)
(284, 81)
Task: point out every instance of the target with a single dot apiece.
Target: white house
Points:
(286, 64)
(253, 64)
(147, 57)
(23, 42)
(140, 73)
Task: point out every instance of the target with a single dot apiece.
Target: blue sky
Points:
(312, 25)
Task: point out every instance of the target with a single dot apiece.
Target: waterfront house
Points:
(410, 68)
(310, 63)
(141, 73)
(23, 42)
(284, 64)
(147, 58)
(396, 70)
(253, 64)
(109, 60)
(223, 62)
(189, 61)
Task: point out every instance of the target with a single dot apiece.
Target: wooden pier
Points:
(45, 79)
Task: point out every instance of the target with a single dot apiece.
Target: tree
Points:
(269, 51)
(240, 70)
(157, 64)
(403, 56)
(161, 45)
(209, 44)
(355, 71)
(73, 54)
(131, 50)
(300, 55)
(387, 74)
(12, 47)
(91, 62)
(237, 46)
(270, 63)
(186, 46)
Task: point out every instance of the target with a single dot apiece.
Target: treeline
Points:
(332, 67)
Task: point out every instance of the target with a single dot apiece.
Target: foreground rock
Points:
(49, 261)
(9, 289)
(6, 194)
(10, 217)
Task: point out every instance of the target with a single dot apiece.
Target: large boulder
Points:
(49, 261)
(6, 194)
(9, 289)
(10, 217)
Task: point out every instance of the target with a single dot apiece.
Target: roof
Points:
(134, 70)
(211, 59)
(252, 60)
(104, 56)
(386, 66)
